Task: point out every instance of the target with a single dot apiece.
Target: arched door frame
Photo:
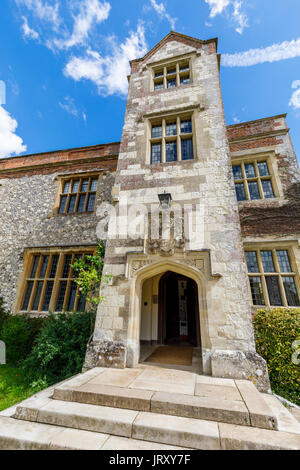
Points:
(133, 341)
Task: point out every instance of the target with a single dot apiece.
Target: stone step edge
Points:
(153, 401)
(62, 438)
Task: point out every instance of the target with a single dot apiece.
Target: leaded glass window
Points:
(253, 181)
(78, 195)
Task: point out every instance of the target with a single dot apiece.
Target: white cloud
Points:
(296, 84)
(231, 7)
(10, 143)
(239, 17)
(89, 12)
(274, 53)
(162, 12)
(109, 73)
(28, 32)
(69, 106)
(217, 6)
(295, 98)
(43, 10)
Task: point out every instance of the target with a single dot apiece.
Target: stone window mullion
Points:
(178, 123)
(163, 142)
(277, 268)
(263, 279)
(56, 282)
(245, 181)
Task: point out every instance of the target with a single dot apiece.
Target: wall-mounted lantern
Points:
(165, 200)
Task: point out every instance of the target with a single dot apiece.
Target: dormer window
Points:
(172, 76)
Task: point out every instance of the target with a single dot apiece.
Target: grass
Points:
(12, 388)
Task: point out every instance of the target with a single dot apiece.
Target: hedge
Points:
(59, 348)
(275, 332)
(19, 333)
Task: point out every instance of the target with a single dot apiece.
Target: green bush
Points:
(59, 349)
(275, 332)
(18, 333)
(3, 314)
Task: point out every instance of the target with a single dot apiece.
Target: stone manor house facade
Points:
(175, 150)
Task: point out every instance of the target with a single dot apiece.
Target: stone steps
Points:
(135, 429)
(252, 410)
(136, 410)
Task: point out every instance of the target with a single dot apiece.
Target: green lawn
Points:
(12, 389)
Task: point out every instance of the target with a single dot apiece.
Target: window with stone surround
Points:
(172, 75)
(50, 282)
(253, 180)
(272, 277)
(78, 194)
(171, 140)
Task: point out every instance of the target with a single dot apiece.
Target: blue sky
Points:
(64, 63)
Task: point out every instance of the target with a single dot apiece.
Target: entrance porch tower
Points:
(174, 141)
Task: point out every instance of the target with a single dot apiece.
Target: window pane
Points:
(290, 291)
(81, 203)
(171, 151)
(171, 70)
(61, 296)
(250, 171)
(284, 261)
(91, 203)
(75, 186)
(37, 296)
(47, 296)
(171, 83)
(72, 204)
(155, 153)
(184, 80)
(44, 267)
(53, 266)
(256, 291)
(187, 149)
(159, 86)
(72, 296)
(27, 295)
(171, 128)
(263, 169)
(36, 260)
(66, 269)
(240, 192)
(84, 186)
(159, 73)
(81, 303)
(63, 202)
(274, 290)
(251, 258)
(267, 189)
(156, 131)
(67, 187)
(253, 190)
(94, 184)
(267, 261)
(186, 126)
(184, 67)
(237, 172)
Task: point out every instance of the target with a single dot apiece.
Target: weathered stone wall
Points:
(28, 219)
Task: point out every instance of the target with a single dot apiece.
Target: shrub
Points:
(275, 331)
(18, 333)
(59, 350)
(3, 314)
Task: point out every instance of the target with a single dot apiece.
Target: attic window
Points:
(172, 76)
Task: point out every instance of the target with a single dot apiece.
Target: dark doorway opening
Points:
(178, 316)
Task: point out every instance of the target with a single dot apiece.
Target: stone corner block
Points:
(245, 365)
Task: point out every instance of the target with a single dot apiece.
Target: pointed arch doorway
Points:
(170, 325)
